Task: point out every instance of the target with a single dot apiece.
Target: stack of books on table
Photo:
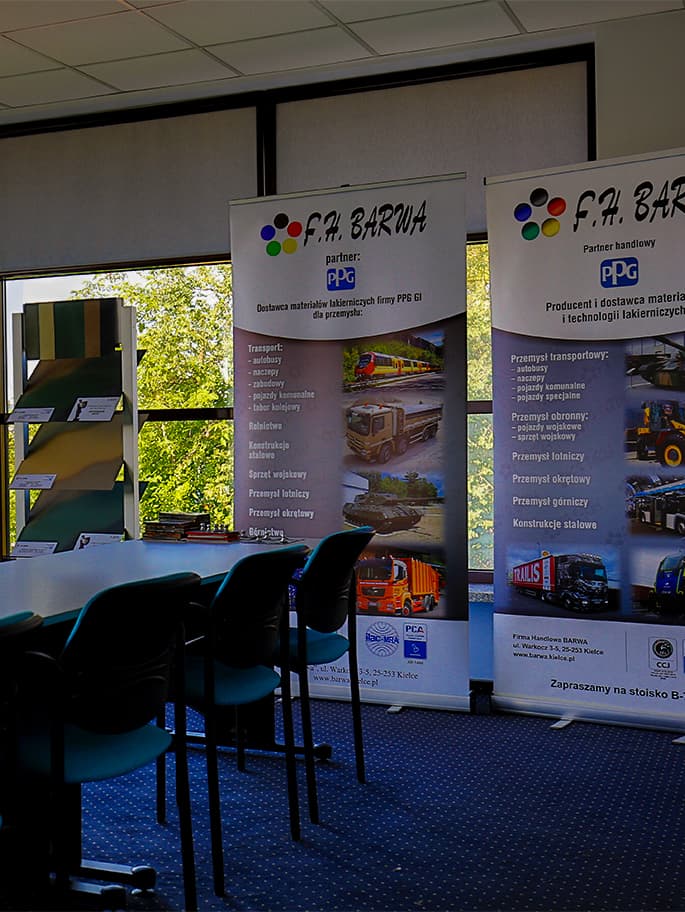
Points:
(174, 526)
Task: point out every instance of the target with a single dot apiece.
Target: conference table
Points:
(56, 586)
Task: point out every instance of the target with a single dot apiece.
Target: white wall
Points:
(640, 68)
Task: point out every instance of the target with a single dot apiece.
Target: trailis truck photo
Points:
(578, 582)
(377, 431)
(391, 585)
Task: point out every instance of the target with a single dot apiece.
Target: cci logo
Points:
(662, 654)
(539, 214)
(281, 235)
(382, 639)
(340, 278)
(616, 273)
(415, 641)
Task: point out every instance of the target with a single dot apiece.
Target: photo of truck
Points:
(577, 582)
(378, 431)
(394, 585)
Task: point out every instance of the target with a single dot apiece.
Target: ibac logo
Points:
(540, 215)
(382, 639)
(281, 235)
(618, 273)
(341, 278)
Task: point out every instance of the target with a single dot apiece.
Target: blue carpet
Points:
(461, 812)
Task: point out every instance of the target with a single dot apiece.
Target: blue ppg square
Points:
(341, 278)
(414, 650)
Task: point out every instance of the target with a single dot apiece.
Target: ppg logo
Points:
(617, 273)
(341, 278)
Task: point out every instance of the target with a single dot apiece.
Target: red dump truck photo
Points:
(576, 581)
(391, 585)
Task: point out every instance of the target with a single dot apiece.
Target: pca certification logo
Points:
(382, 639)
(415, 641)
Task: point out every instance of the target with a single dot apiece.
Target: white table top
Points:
(57, 584)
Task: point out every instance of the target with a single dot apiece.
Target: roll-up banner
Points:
(588, 304)
(349, 348)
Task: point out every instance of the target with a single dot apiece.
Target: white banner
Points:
(588, 313)
(349, 348)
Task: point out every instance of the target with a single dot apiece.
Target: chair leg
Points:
(214, 800)
(308, 744)
(290, 766)
(239, 739)
(355, 700)
(160, 780)
(182, 784)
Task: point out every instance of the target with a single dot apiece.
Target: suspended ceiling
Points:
(63, 58)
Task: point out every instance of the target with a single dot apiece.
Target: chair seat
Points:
(232, 686)
(92, 756)
(321, 647)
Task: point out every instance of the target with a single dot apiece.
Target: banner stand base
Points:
(561, 723)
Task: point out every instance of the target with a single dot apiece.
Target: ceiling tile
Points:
(15, 59)
(439, 28)
(538, 15)
(103, 38)
(217, 21)
(45, 88)
(19, 14)
(288, 52)
(176, 68)
(358, 10)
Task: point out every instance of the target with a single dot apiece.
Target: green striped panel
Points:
(70, 329)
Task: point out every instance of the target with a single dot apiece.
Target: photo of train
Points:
(375, 364)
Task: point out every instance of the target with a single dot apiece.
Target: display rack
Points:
(80, 401)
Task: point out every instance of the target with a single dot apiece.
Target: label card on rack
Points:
(93, 408)
(33, 548)
(33, 482)
(31, 415)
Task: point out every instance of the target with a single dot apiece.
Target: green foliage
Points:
(184, 321)
(480, 436)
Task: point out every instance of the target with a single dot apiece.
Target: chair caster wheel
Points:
(143, 877)
(323, 751)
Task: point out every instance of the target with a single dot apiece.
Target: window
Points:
(479, 392)
(185, 390)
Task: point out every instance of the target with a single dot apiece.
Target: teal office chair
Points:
(233, 667)
(324, 600)
(88, 714)
(15, 631)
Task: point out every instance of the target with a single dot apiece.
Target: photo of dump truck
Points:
(378, 431)
(578, 582)
(394, 585)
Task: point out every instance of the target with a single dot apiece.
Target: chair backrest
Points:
(247, 608)
(118, 658)
(323, 590)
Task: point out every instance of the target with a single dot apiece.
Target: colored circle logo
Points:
(382, 639)
(539, 214)
(273, 235)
